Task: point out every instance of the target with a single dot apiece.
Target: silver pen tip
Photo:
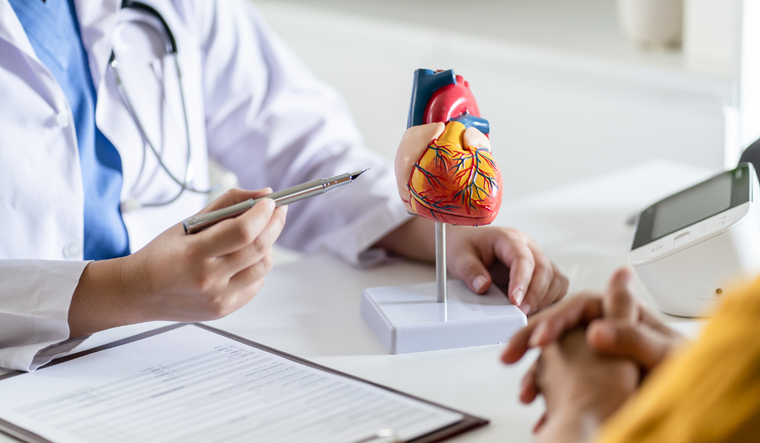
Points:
(356, 174)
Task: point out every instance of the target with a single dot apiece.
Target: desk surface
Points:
(310, 303)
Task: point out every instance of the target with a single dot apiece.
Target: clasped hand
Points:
(595, 350)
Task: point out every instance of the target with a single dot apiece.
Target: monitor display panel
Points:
(690, 206)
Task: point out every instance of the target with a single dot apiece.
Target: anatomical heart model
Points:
(448, 176)
(444, 172)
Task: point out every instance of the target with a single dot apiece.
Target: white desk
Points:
(310, 304)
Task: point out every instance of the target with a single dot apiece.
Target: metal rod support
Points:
(440, 261)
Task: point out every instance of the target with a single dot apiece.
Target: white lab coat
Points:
(251, 105)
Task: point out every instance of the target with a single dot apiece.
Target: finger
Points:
(619, 301)
(476, 139)
(252, 274)
(549, 325)
(235, 233)
(639, 342)
(540, 372)
(543, 274)
(520, 272)
(528, 389)
(408, 207)
(578, 311)
(244, 257)
(233, 197)
(518, 344)
(413, 143)
(651, 320)
(539, 424)
(468, 266)
(513, 251)
(240, 298)
(557, 289)
(642, 315)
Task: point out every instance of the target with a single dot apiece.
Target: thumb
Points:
(413, 144)
(639, 342)
(471, 270)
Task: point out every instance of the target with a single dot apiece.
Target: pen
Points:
(283, 197)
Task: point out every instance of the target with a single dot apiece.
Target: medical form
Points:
(189, 382)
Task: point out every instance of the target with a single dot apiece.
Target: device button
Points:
(682, 238)
(63, 118)
(703, 227)
(709, 292)
(71, 250)
(656, 248)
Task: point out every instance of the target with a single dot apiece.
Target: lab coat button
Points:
(71, 250)
(63, 118)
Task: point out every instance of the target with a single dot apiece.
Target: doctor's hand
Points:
(181, 277)
(483, 256)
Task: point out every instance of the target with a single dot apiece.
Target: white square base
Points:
(409, 319)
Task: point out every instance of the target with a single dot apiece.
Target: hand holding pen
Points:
(286, 196)
(190, 278)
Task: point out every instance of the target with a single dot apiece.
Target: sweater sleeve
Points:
(709, 392)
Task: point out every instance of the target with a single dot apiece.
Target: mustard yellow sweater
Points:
(709, 392)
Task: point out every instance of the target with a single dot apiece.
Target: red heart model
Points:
(452, 182)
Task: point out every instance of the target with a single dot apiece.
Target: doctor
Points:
(105, 133)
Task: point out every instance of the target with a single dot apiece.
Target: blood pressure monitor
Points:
(688, 246)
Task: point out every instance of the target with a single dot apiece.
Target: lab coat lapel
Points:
(97, 23)
(12, 31)
(97, 20)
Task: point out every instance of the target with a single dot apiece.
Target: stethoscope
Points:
(187, 178)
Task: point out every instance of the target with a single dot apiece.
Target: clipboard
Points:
(468, 422)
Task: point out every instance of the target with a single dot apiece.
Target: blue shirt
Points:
(53, 31)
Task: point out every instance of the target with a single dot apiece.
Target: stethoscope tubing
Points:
(172, 50)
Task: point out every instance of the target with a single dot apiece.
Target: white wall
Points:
(556, 115)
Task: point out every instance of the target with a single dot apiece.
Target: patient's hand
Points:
(617, 325)
(581, 388)
(640, 337)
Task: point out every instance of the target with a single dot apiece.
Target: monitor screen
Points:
(695, 204)
(690, 206)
